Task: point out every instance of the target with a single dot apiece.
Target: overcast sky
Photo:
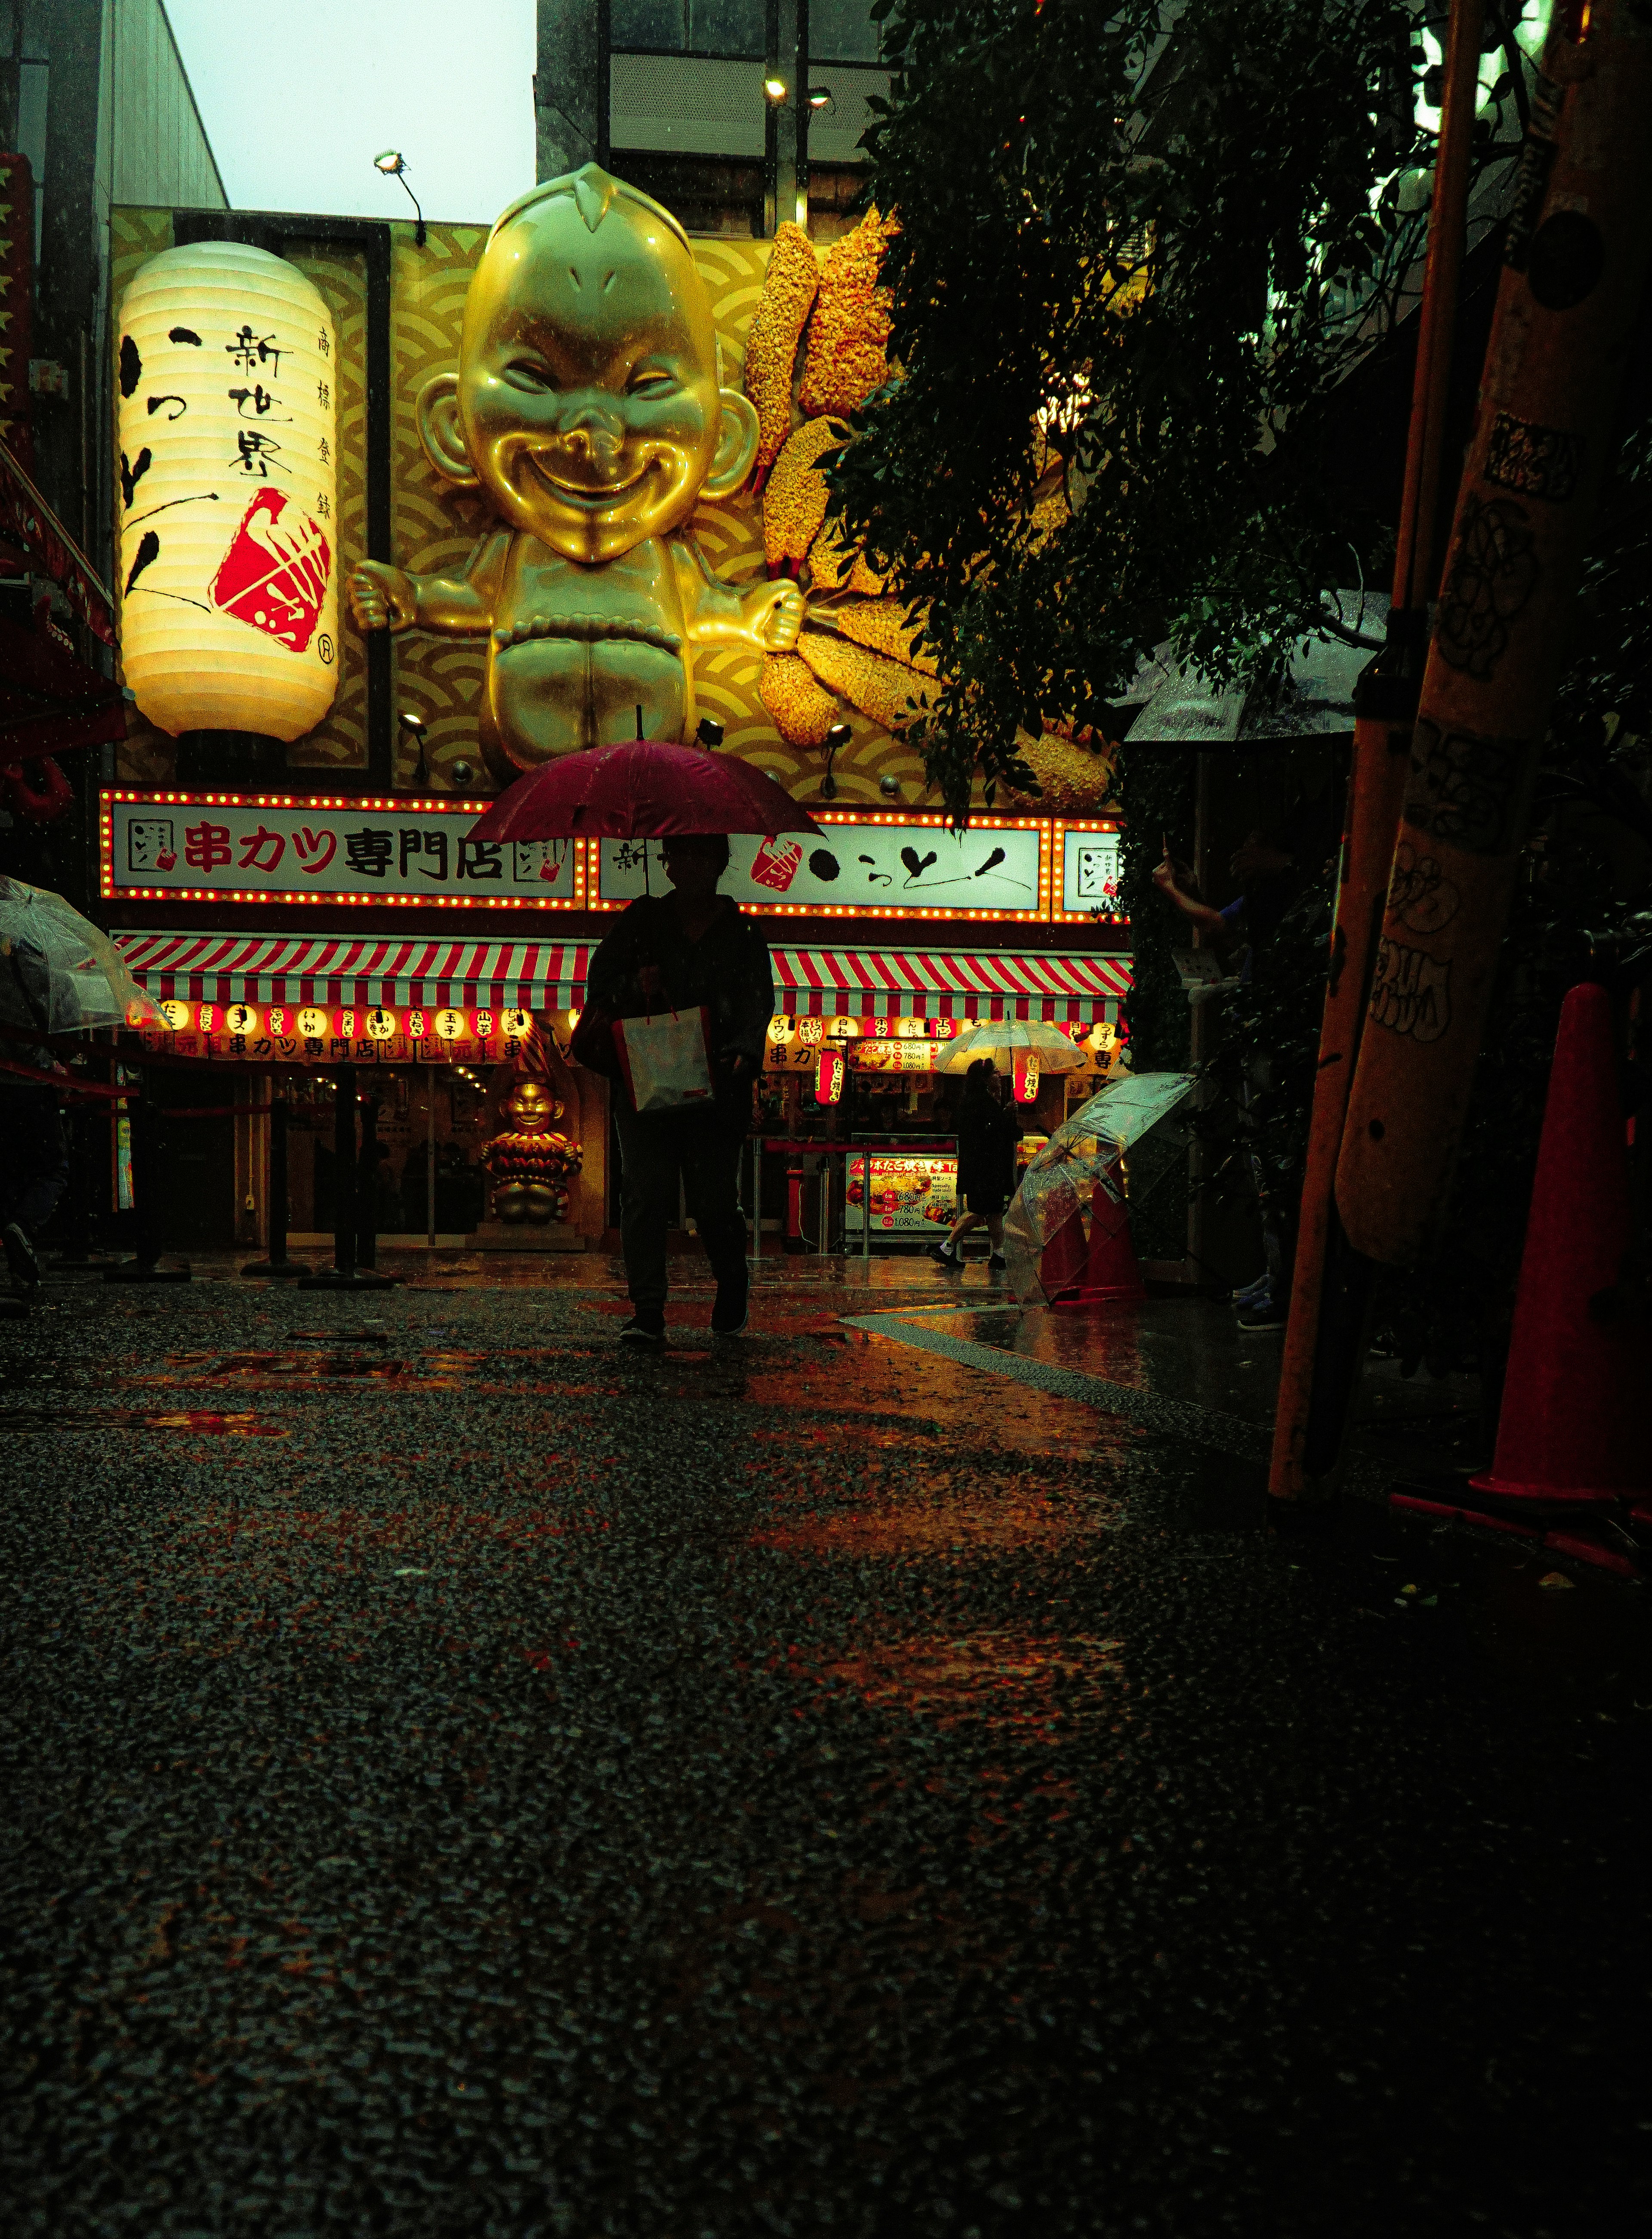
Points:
(298, 99)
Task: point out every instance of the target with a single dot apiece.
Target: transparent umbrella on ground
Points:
(1060, 1177)
(59, 973)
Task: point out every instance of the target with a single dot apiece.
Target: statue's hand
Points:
(774, 616)
(383, 597)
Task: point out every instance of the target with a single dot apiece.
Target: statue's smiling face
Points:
(533, 1108)
(587, 383)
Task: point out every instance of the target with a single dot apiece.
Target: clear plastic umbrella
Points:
(1060, 1177)
(1004, 1039)
(59, 974)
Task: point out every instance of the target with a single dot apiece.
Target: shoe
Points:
(998, 1259)
(646, 1327)
(20, 1258)
(1261, 1314)
(732, 1312)
(948, 1259)
(1249, 1292)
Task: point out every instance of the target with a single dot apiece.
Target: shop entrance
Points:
(198, 1160)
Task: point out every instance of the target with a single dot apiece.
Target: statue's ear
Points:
(736, 444)
(441, 432)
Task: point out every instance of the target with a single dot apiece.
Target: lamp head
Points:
(390, 162)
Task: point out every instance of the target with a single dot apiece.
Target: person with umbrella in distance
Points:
(679, 952)
(987, 1135)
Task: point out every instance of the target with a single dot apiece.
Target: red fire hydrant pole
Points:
(1315, 1346)
(1579, 242)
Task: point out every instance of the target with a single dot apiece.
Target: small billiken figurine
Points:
(531, 1165)
(586, 406)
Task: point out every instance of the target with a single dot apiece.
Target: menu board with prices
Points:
(910, 1196)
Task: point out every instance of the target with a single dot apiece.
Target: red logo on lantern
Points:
(275, 573)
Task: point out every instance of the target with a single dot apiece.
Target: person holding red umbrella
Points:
(683, 952)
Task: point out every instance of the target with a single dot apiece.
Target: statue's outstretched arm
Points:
(386, 597)
(764, 615)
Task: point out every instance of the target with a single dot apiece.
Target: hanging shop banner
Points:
(874, 1045)
(1085, 879)
(911, 1196)
(228, 848)
(862, 866)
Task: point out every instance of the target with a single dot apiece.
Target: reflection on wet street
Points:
(889, 1775)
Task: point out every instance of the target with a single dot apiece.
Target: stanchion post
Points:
(277, 1265)
(367, 1186)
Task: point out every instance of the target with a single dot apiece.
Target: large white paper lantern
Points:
(226, 536)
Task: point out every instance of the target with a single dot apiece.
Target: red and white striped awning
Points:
(910, 983)
(244, 968)
(247, 968)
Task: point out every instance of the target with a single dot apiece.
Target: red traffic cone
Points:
(1573, 1425)
(1110, 1268)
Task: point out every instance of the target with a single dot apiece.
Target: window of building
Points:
(700, 27)
(842, 31)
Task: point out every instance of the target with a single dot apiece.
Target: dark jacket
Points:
(987, 1135)
(728, 970)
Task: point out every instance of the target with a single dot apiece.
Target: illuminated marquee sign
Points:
(230, 847)
(861, 865)
(1085, 881)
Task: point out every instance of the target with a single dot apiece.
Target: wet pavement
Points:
(889, 1775)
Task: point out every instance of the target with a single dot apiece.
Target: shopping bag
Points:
(665, 1060)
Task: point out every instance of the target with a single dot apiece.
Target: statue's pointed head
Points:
(587, 402)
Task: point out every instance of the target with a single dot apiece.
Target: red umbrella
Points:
(641, 790)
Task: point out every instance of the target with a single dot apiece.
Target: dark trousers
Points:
(656, 1148)
(34, 1158)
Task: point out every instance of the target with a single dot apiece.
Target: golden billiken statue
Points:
(586, 406)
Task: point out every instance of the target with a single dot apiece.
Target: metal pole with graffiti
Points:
(1321, 1351)
(1575, 263)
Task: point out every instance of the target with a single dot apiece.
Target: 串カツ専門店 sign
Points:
(158, 846)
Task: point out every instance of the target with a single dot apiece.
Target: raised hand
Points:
(383, 597)
(774, 616)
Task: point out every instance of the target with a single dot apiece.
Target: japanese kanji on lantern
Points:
(227, 550)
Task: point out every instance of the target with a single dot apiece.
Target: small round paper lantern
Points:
(277, 1020)
(226, 536)
(517, 1026)
(312, 1025)
(241, 1019)
(450, 1026)
(207, 1019)
(380, 1025)
(416, 1026)
(176, 1014)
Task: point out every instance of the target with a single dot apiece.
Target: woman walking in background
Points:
(987, 1135)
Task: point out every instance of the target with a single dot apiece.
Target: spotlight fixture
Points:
(414, 728)
(820, 97)
(394, 165)
(775, 89)
(889, 785)
(836, 739)
(710, 733)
